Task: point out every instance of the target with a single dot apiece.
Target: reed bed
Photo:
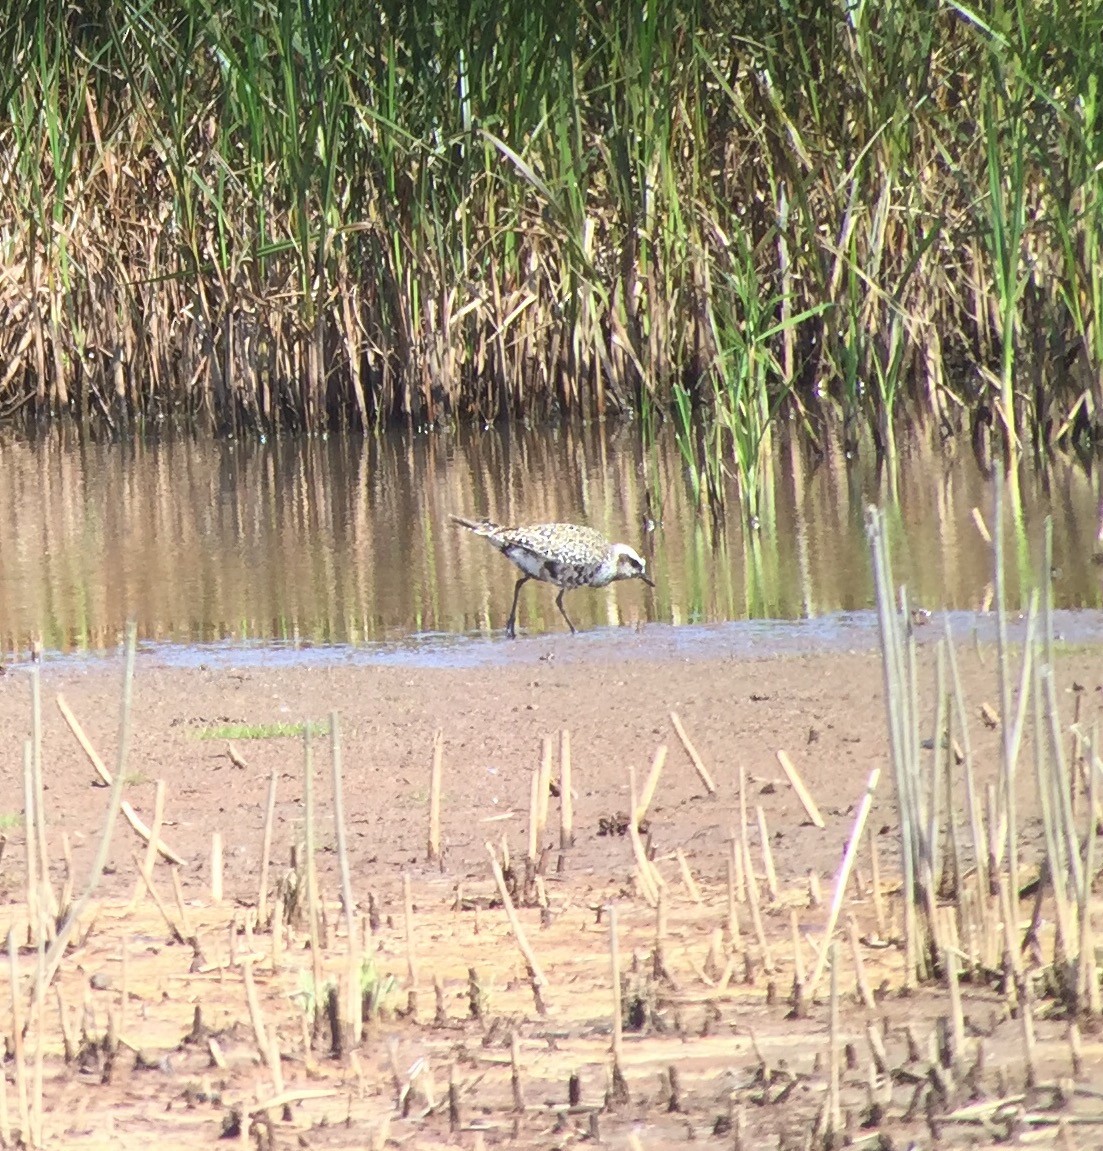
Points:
(266, 216)
(956, 1001)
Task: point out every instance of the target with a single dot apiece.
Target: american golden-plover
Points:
(566, 555)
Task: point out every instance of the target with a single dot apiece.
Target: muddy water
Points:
(339, 541)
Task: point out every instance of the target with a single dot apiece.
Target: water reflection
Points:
(348, 540)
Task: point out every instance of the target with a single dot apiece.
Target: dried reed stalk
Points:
(433, 849)
(650, 784)
(181, 908)
(147, 879)
(972, 795)
(544, 791)
(128, 811)
(151, 845)
(48, 897)
(687, 876)
(803, 794)
(1008, 832)
(534, 821)
(30, 843)
(535, 970)
(767, 853)
(650, 879)
(756, 911)
(691, 751)
(57, 948)
(566, 794)
(844, 877)
(347, 898)
(269, 1051)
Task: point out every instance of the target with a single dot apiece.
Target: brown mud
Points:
(710, 1051)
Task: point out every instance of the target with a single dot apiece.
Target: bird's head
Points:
(630, 565)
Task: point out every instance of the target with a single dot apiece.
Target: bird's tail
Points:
(479, 527)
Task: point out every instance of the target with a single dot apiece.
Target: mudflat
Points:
(216, 734)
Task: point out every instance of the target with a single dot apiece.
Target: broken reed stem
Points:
(1056, 856)
(147, 879)
(93, 757)
(30, 843)
(269, 1051)
(151, 845)
(649, 876)
(972, 795)
(756, 911)
(534, 821)
(687, 877)
(535, 970)
(433, 850)
(1062, 782)
(566, 794)
(691, 751)
(339, 825)
(544, 791)
(767, 853)
(40, 795)
(185, 922)
(844, 877)
(803, 794)
(266, 850)
(57, 947)
(650, 784)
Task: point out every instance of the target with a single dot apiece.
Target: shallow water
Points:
(348, 541)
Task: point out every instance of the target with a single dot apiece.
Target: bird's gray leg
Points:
(563, 610)
(510, 629)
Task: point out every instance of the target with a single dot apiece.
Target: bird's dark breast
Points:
(563, 574)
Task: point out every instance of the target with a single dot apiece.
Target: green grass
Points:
(263, 730)
(10, 819)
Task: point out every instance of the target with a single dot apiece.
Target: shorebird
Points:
(566, 555)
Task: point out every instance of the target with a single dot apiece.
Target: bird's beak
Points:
(647, 579)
